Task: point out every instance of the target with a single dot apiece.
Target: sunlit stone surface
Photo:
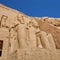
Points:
(28, 38)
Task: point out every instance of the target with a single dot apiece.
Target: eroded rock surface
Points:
(32, 34)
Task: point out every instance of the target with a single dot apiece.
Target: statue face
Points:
(4, 17)
(3, 20)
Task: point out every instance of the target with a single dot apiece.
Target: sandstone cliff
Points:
(28, 38)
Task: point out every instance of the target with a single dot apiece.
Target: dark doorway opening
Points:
(1, 46)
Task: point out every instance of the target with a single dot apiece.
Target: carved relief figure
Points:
(3, 21)
(51, 41)
(13, 36)
(34, 35)
(13, 40)
(37, 33)
(27, 33)
(44, 39)
(38, 36)
(22, 34)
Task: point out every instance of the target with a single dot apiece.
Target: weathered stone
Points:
(28, 38)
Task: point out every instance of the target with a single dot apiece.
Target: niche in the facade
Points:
(1, 47)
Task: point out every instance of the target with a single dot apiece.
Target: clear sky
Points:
(39, 8)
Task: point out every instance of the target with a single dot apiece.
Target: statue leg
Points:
(32, 36)
(22, 36)
(44, 40)
(51, 41)
(39, 44)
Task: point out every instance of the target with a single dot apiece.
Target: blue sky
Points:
(39, 8)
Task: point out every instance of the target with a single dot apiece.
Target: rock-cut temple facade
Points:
(28, 38)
